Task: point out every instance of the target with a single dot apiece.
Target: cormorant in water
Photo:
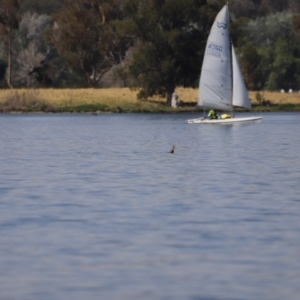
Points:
(173, 148)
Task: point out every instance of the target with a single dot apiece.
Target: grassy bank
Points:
(124, 100)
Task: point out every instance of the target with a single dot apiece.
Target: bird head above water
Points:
(173, 148)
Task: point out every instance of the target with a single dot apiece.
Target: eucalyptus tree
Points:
(41, 7)
(242, 8)
(273, 38)
(34, 52)
(285, 69)
(86, 33)
(170, 37)
(9, 23)
(251, 62)
(258, 8)
(296, 26)
(265, 31)
(294, 6)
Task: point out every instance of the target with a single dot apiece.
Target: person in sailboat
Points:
(212, 115)
(225, 116)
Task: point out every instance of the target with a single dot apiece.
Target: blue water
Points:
(94, 207)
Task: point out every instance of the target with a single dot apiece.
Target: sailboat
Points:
(221, 84)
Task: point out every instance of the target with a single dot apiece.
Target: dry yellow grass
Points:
(116, 96)
(187, 94)
(277, 97)
(190, 95)
(63, 97)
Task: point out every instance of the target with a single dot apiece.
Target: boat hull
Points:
(223, 121)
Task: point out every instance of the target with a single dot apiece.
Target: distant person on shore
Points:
(175, 101)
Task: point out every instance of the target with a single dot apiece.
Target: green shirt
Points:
(212, 114)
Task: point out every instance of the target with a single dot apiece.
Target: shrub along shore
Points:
(116, 100)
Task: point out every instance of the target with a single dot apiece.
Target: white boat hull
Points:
(223, 121)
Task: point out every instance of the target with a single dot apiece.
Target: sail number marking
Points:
(214, 50)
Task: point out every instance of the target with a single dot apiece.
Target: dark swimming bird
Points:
(172, 149)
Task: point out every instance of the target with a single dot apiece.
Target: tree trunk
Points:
(101, 10)
(9, 60)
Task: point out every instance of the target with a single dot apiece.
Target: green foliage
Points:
(285, 67)
(242, 8)
(31, 51)
(9, 23)
(259, 98)
(170, 39)
(166, 40)
(41, 7)
(87, 36)
(250, 61)
(267, 30)
(296, 25)
(274, 63)
(9, 14)
(238, 31)
(258, 8)
(84, 108)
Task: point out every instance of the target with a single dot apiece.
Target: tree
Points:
(33, 60)
(273, 63)
(296, 25)
(294, 6)
(242, 8)
(86, 34)
(238, 31)
(273, 6)
(257, 8)
(170, 42)
(267, 30)
(285, 67)
(41, 7)
(9, 23)
(250, 65)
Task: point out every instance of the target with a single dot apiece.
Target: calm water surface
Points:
(94, 207)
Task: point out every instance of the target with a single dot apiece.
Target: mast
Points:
(231, 66)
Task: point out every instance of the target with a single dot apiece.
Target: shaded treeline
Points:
(153, 45)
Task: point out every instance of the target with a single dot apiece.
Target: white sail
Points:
(240, 93)
(215, 88)
(221, 83)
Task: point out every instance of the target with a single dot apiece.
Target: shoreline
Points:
(91, 109)
(124, 100)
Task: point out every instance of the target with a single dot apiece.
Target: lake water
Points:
(94, 207)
